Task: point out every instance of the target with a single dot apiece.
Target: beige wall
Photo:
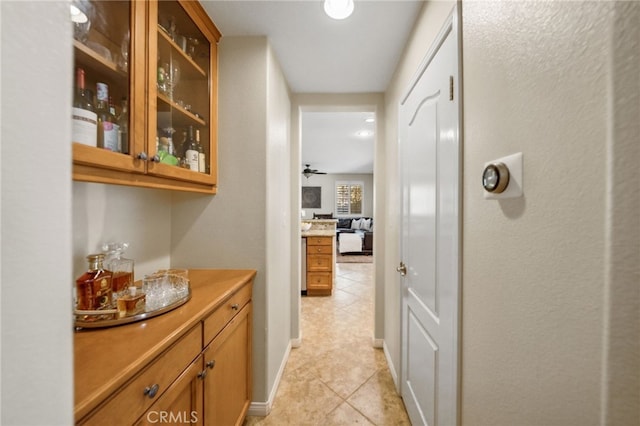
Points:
(621, 378)
(240, 227)
(138, 216)
(36, 352)
(278, 223)
(535, 81)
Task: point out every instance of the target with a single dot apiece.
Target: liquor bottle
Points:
(191, 153)
(116, 126)
(120, 267)
(83, 114)
(123, 122)
(93, 288)
(202, 158)
(107, 136)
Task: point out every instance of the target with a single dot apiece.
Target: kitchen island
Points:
(320, 255)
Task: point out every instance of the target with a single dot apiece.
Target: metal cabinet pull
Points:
(151, 391)
(235, 306)
(211, 364)
(202, 374)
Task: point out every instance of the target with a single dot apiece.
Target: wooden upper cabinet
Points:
(161, 58)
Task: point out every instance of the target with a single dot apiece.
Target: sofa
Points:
(363, 226)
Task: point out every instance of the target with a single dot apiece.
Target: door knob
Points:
(402, 269)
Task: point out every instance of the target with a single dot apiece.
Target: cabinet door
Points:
(109, 46)
(182, 92)
(227, 387)
(182, 401)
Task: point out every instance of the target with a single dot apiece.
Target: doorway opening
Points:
(339, 143)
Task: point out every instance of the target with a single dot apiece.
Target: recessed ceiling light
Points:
(370, 120)
(77, 15)
(364, 133)
(338, 9)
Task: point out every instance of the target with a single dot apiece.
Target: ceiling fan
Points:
(307, 172)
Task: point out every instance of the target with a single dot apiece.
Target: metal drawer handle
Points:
(211, 364)
(151, 391)
(235, 306)
(202, 374)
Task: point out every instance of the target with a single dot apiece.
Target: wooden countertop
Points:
(105, 359)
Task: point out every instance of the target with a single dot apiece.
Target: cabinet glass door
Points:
(182, 84)
(102, 125)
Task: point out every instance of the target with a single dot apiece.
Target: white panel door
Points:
(430, 167)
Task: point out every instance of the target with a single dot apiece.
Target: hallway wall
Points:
(535, 81)
(547, 279)
(247, 223)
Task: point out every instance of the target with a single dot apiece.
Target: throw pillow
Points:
(365, 224)
(355, 224)
(344, 223)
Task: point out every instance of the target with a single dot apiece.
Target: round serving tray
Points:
(79, 324)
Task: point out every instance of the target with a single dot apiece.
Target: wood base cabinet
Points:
(216, 388)
(202, 378)
(320, 261)
(227, 387)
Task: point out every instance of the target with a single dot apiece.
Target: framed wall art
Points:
(311, 197)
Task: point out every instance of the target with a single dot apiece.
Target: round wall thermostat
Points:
(495, 178)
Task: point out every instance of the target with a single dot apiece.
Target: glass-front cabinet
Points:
(145, 94)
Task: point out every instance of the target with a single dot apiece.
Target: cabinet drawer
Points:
(319, 280)
(215, 322)
(320, 263)
(319, 249)
(127, 405)
(319, 241)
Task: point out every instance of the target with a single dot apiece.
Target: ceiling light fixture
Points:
(338, 9)
(370, 120)
(77, 15)
(364, 133)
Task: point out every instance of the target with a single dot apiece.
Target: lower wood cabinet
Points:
(227, 387)
(203, 378)
(320, 260)
(216, 388)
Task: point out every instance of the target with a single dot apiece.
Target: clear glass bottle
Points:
(84, 119)
(123, 123)
(107, 134)
(202, 158)
(191, 153)
(93, 288)
(121, 268)
(116, 126)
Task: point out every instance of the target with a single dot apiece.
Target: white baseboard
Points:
(392, 370)
(259, 409)
(378, 343)
(296, 343)
(262, 409)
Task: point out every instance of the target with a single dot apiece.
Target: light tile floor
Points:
(336, 377)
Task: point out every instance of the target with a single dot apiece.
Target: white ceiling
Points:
(322, 55)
